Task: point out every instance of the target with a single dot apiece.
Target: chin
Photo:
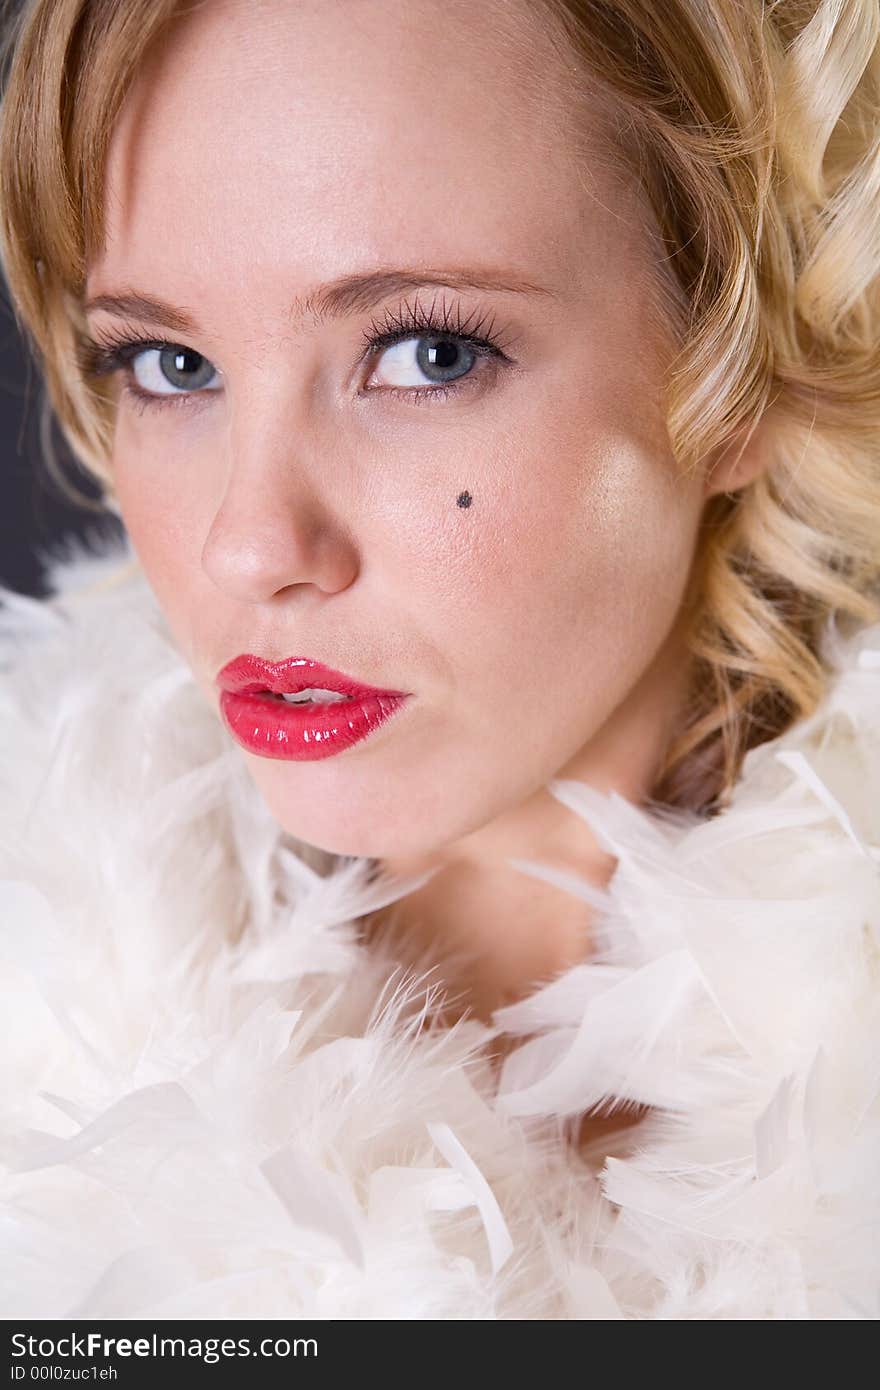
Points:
(328, 826)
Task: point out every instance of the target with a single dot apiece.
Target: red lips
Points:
(270, 727)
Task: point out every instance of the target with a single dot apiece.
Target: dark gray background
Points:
(35, 514)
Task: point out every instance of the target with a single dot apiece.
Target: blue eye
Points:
(155, 373)
(173, 367)
(440, 359)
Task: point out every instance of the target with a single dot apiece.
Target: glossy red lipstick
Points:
(262, 721)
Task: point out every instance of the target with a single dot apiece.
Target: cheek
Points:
(161, 522)
(568, 572)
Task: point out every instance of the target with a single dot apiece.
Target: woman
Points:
(517, 363)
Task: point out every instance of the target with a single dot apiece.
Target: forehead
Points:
(303, 139)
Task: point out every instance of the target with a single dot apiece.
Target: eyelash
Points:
(114, 352)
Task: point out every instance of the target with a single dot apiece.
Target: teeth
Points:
(315, 695)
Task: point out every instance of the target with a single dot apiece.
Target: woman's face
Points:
(291, 491)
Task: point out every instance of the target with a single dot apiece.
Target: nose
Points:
(276, 526)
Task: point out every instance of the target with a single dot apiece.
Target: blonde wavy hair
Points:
(755, 131)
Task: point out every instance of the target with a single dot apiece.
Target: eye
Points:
(427, 355)
(425, 361)
(169, 369)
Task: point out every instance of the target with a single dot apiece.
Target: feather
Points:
(220, 1102)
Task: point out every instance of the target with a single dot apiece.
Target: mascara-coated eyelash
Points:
(116, 350)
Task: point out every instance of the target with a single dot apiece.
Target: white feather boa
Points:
(219, 1102)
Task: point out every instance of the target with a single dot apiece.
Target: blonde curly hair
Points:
(754, 129)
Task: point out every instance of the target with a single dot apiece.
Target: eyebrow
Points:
(347, 295)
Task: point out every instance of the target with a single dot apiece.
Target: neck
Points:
(498, 932)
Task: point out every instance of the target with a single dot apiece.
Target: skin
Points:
(538, 628)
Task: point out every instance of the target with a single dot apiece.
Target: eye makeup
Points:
(115, 350)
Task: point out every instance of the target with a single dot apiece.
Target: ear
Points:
(736, 463)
